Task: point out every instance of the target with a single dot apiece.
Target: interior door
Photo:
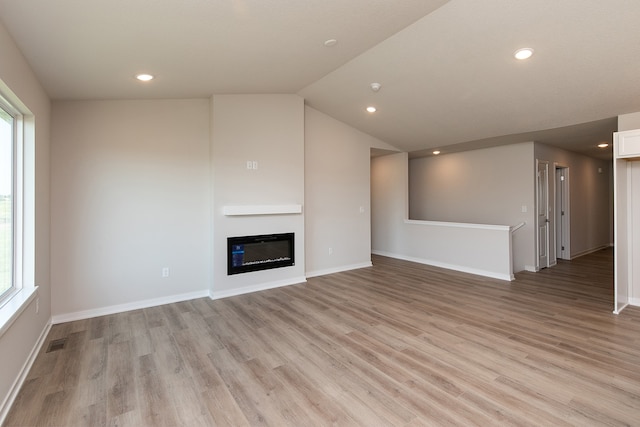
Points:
(542, 213)
(562, 213)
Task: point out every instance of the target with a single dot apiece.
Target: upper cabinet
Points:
(628, 143)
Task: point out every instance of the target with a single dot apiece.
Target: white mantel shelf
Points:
(261, 210)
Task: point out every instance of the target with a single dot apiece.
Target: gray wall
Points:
(472, 248)
(337, 195)
(494, 185)
(487, 186)
(141, 185)
(629, 121)
(19, 84)
(130, 191)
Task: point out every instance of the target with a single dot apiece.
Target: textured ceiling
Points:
(446, 67)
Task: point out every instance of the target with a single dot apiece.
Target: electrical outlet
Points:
(330, 251)
(165, 272)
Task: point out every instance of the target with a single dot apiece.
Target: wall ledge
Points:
(240, 210)
(458, 225)
(16, 304)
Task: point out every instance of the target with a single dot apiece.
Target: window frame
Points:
(25, 290)
(17, 226)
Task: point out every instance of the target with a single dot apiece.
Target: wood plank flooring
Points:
(398, 344)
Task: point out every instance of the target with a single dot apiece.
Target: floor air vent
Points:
(56, 345)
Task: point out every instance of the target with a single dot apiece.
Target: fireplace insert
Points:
(262, 252)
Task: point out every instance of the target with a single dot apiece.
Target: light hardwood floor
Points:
(398, 344)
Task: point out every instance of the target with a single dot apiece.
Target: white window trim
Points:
(24, 291)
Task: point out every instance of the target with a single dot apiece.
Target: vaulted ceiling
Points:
(446, 68)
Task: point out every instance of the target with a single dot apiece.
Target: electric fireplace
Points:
(262, 252)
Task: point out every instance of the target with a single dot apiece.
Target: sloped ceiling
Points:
(446, 68)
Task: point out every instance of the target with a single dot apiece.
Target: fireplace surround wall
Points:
(269, 130)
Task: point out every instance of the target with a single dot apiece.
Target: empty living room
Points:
(301, 212)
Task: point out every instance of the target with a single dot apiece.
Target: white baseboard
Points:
(120, 308)
(454, 267)
(531, 268)
(338, 269)
(22, 375)
(256, 288)
(634, 302)
(589, 251)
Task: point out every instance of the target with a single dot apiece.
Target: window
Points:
(6, 201)
(17, 208)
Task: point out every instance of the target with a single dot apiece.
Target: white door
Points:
(562, 213)
(542, 212)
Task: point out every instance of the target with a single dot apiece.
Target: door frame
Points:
(537, 216)
(562, 232)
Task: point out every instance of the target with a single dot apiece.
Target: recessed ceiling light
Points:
(523, 53)
(371, 109)
(436, 152)
(330, 42)
(603, 145)
(144, 77)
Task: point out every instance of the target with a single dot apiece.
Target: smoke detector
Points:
(375, 87)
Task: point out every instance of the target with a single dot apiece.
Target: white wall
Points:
(487, 186)
(130, 196)
(141, 185)
(589, 197)
(337, 194)
(20, 85)
(268, 129)
(477, 249)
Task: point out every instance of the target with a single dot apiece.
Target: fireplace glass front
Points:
(262, 252)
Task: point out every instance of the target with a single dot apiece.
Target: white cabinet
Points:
(627, 144)
(626, 167)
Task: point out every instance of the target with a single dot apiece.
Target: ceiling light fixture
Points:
(330, 42)
(371, 109)
(436, 152)
(603, 145)
(524, 53)
(375, 87)
(144, 77)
